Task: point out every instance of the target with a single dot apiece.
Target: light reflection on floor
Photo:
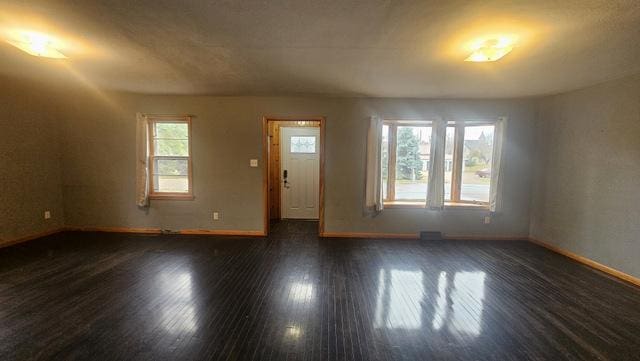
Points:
(467, 303)
(301, 292)
(179, 314)
(441, 306)
(399, 300)
(458, 302)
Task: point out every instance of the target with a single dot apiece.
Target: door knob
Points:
(284, 175)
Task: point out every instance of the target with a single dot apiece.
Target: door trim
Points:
(266, 165)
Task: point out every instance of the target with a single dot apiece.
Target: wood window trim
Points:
(456, 170)
(466, 205)
(152, 120)
(391, 167)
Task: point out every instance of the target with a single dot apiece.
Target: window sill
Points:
(172, 196)
(447, 205)
(405, 204)
(478, 206)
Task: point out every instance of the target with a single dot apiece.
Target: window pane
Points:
(385, 160)
(476, 165)
(412, 162)
(168, 130)
(173, 184)
(303, 144)
(171, 147)
(448, 162)
(171, 175)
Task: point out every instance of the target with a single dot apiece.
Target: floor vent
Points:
(430, 236)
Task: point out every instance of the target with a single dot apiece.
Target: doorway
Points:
(294, 175)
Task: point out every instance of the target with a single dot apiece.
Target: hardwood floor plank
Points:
(294, 296)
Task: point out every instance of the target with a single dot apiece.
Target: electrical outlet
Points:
(253, 163)
(47, 214)
(487, 219)
(216, 216)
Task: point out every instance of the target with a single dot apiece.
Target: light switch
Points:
(253, 163)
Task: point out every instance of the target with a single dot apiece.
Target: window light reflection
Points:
(178, 315)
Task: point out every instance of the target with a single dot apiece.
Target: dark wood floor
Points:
(294, 296)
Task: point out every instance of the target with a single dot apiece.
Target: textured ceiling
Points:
(343, 48)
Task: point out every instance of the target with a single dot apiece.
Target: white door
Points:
(300, 154)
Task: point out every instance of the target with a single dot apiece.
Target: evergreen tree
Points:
(408, 155)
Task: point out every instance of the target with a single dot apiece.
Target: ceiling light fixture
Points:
(37, 44)
(491, 50)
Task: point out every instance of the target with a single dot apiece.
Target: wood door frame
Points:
(267, 164)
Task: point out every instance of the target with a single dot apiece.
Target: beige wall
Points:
(72, 152)
(586, 197)
(98, 146)
(30, 181)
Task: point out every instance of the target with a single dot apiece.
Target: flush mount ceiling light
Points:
(37, 44)
(491, 50)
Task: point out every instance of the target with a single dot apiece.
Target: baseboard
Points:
(462, 237)
(11, 242)
(223, 232)
(210, 232)
(369, 235)
(417, 236)
(115, 230)
(589, 262)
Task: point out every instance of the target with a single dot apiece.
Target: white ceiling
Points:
(339, 47)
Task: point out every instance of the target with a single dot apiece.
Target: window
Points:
(170, 158)
(304, 144)
(406, 156)
(406, 147)
(470, 148)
